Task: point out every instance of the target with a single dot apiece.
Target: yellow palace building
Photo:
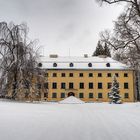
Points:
(87, 78)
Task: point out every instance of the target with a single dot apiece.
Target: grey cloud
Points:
(61, 24)
(68, 32)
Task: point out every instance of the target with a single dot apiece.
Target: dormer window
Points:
(71, 64)
(54, 64)
(89, 64)
(108, 64)
(39, 64)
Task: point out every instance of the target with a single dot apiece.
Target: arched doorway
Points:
(71, 94)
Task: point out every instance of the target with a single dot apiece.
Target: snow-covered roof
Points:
(81, 63)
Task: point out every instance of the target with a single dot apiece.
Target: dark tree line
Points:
(102, 50)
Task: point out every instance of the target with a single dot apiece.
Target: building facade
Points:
(87, 78)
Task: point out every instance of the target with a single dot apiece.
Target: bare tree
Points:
(18, 60)
(125, 37)
(127, 27)
(126, 32)
(134, 4)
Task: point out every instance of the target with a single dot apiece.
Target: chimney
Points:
(85, 55)
(53, 56)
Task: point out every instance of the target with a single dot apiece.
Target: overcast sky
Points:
(61, 25)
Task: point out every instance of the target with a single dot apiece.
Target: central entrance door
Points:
(71, 94)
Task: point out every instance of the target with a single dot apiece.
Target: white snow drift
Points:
(71, 100)
(53, 121)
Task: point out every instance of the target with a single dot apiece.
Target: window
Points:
(89, 64)
(100, 95)
(39, 64)
(99, 74)
(81, 75)
(70, 74)
(46, 94)
(117, 75)
(71, 64)
(46, 85)
(54, 85)
(63, 85)
(109, 85)
(100, 86)
(26, 84)
(38, 94)
(125, 85)
(39, 73)
(46, 75)
(63, 74)
(90, 75)
(126, 95)
(62, 95)
(71, 85)
(125, 74)
(90, 85)
(90, 95)
(108, 95)
(26, 94)
(54, 74)
(81, 95)
(109, 75)
(81, 85)
(107, 64)
(54, 95)
(54, 64)
(39, 86)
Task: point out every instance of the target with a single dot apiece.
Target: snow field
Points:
(54, 121)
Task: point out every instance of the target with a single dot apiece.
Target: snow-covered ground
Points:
(54, 121)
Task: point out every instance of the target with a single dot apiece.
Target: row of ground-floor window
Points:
(81, 95)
